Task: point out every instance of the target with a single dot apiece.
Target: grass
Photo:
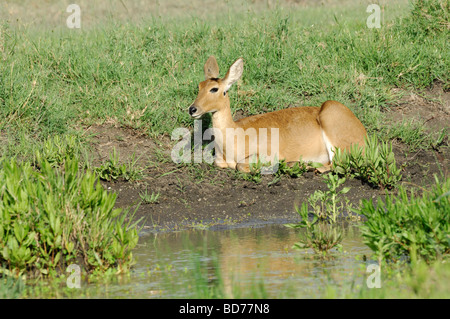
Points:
(323, 232)
(375, 164)
(53, 217)
(148, 198)
(112, 170)
(145, 75)
(409, 226)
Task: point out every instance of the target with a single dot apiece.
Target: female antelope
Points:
(306, 133)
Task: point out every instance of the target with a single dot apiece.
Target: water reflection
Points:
(167, 264)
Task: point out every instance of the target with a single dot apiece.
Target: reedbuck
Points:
(298, 133)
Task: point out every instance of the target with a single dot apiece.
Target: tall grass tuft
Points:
(428, 18)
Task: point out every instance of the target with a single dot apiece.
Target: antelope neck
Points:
(222, 119)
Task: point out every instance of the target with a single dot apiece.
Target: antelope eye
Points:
(214, 90)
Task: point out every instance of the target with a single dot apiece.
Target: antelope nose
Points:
(192, 110)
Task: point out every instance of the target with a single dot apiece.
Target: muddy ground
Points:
(200, 196)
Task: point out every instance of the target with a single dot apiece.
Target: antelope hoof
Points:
(221, 165)
(242, 167)
(324, 169)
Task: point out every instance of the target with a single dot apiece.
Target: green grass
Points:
(409, 226)
(323, 232)
(374, 164)
(51, 217)
(145, 75)
(148, 198)
(112, 170)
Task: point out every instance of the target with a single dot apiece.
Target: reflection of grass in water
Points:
(243, 273)
(11, 288)
(202, 275)
(205, 280)
(420, 281)
(401, 281)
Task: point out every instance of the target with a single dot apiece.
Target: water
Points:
(243, 263)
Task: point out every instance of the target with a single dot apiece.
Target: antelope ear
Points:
(211, 68)
(233, 74)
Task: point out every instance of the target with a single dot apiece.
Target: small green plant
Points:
(149, 198)
(255, 171)
(406, 226)
(133, 171)
(112, 170)
(374, 164)
(322, 233)
(439, 140)
(198, 172)
(293, 170)
(55, 149)
(319, 235)
(296, 170)
(327, 205)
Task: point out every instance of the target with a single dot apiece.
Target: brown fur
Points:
(300, 129)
